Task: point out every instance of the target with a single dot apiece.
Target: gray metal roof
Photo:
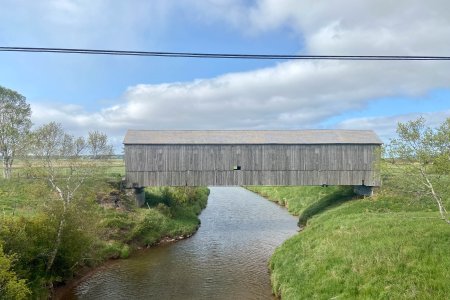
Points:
(174, 137)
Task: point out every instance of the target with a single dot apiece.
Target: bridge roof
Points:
(176, 137)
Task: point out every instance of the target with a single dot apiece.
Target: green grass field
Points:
(385, 247)
(110, 167)
(24, 194)
(21, 196)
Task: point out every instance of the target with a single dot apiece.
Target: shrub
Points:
(11, 287)
(150, 228)
(164, 209)
(125, 251)
(111, 249)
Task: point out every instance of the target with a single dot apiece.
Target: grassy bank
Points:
(305, 201)
(169, 213)
(100, 224)
(385, 247)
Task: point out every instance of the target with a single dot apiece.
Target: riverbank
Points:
(305, 201)
(103, 224)
(225, 259)
(387, 246)
(170, 215)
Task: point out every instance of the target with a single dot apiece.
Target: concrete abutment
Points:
(139, 196)
(363, 190)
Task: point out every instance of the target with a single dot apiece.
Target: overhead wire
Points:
(224, 55)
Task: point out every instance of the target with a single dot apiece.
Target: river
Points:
(226, 259)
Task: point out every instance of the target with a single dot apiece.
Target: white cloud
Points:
(105, 24)
(386, 126)
(289, 95)
(296, 94)
(346, 26)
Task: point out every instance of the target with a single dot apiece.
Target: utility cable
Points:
(224, 55)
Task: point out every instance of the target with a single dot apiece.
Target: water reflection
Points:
(226, 259)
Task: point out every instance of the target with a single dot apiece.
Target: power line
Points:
(223, 55)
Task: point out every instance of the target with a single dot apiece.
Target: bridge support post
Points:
(139, 196)
(363, 190)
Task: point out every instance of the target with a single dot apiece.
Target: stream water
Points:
(226, 259)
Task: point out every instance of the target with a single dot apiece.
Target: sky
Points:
(116, 93)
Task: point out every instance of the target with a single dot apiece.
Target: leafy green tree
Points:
(421, 157)
(67, 164)
(11, 287)
(15, 125)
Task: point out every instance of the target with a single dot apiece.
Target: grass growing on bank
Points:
(169, 213)
(305, 201)
(102, 223)
(385, 247)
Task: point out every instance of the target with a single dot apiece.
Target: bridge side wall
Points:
(197, 165)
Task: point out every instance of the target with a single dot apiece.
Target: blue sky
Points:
(113, 94)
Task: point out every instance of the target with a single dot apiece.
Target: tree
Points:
(66, 163)
(15, 125)
(98, 144)
(421, 155)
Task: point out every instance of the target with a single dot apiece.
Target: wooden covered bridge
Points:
(251, 157)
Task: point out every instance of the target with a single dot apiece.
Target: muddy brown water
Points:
(226, 259)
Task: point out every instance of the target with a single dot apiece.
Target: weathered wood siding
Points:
(197, 165)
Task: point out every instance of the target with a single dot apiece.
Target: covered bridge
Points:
(251, 157)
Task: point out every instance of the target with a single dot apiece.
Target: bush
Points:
(150, 228)
(117, 220)
(125, 251)
(176, 196)
(111, 249)
(33, 239)
(10, 286)
(164, 209)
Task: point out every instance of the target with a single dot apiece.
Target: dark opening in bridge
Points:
(236, 168)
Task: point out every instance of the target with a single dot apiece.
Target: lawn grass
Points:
(385, 247)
